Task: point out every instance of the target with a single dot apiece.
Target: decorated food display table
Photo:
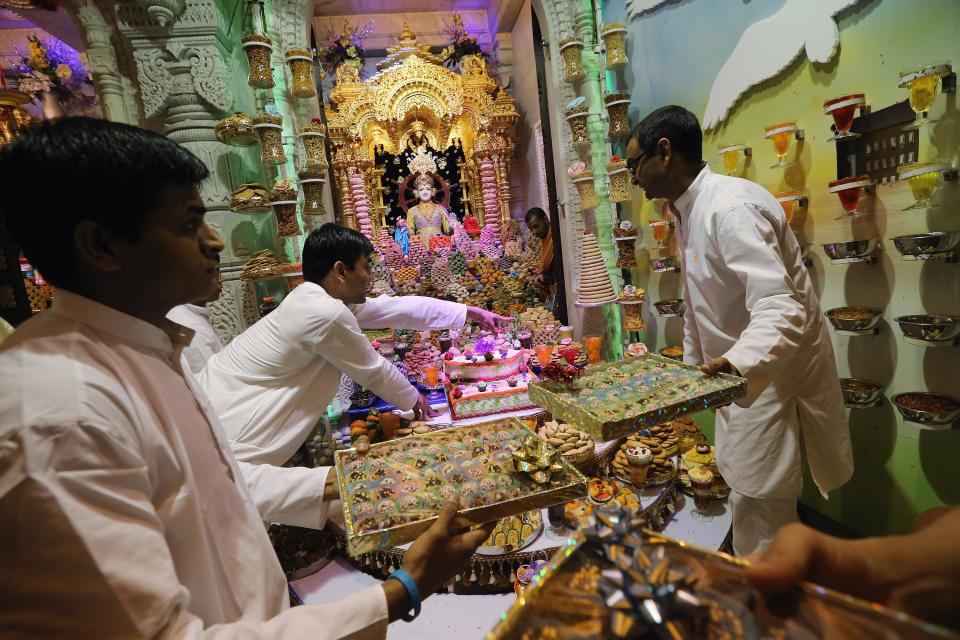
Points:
(451, 615)
(486, 590)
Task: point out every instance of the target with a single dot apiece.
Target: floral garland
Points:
(461, 44)
(52, 67)
(345, 47)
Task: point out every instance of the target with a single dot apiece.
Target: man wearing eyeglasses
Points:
(751, 310)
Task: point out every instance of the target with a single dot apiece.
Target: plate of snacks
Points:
(513, 534)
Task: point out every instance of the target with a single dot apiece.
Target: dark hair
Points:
(677, 125)
(536, 213)
(330, 244)
(63, 171)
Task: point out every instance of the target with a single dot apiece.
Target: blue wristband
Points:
(404, 578)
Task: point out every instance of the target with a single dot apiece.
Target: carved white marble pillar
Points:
(109, 73)
(180, 52)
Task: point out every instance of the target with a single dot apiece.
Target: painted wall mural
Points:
(768, 47)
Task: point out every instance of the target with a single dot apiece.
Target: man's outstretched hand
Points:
(487, 319)
(422, 410)
(719, 365)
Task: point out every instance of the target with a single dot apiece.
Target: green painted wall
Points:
(676, 51)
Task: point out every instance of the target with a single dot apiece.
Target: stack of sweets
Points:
(457, 292)
(457, 263)
(269, 129)
(380, 287)
(630, 299)
(418, 251)
(258, 49)
(460, 236)
(406, 273)
(619, 179)
(576, 112)
(361, 203)
(422, 355)
(488, 189)
(440, 274)
(311, 183)
(595, 287)
(383, 240)
(661, 467)
(625, 239)
(283, 199)
(491, 251)
(489, 238)
(313, 136)
(582, 178)
(470, 251)
(573, 444)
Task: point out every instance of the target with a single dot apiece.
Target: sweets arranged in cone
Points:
(595, 287)
(663, 444)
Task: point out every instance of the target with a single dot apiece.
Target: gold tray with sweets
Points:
(393, 493)
(614, 399)
(678, 590)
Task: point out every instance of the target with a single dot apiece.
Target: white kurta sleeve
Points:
(96, 563)
(409, 312)
(750, 247)
(344, 347)
(692, 350)
(288, 495)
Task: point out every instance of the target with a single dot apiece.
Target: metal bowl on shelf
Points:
(930, 327)
(852, 249)
(671, 307)
(658, 264)
(927, 408)
(923, 243)
(854, 318)
(674, 353)
(857, 391)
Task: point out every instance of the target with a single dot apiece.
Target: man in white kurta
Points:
(751, 310)
(206, 343)
(124, 513)
(272, 383)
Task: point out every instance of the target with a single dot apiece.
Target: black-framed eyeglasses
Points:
(635, 163)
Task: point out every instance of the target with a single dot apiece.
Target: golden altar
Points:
(411, 108)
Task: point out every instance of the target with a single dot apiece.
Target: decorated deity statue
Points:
(402, 236)
(427, 218)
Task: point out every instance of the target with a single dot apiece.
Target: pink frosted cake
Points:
(481, 387)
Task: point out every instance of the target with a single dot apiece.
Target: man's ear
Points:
(664, 149)
(96, 246)
(339, 269)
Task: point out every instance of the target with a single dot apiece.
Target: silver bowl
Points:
(854, 318)
(673, 306)
(670, 262)
(930, 242)
(852, 249)
(930, 328)
(942, 409)
(858, 391)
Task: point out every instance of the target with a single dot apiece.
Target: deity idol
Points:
(427, 218)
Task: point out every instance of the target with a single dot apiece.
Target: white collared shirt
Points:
(205, 341)
(750, 299)
(272, 383)
(123, 511)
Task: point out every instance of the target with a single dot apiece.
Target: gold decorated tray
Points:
(393, 493)
(618, 398)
